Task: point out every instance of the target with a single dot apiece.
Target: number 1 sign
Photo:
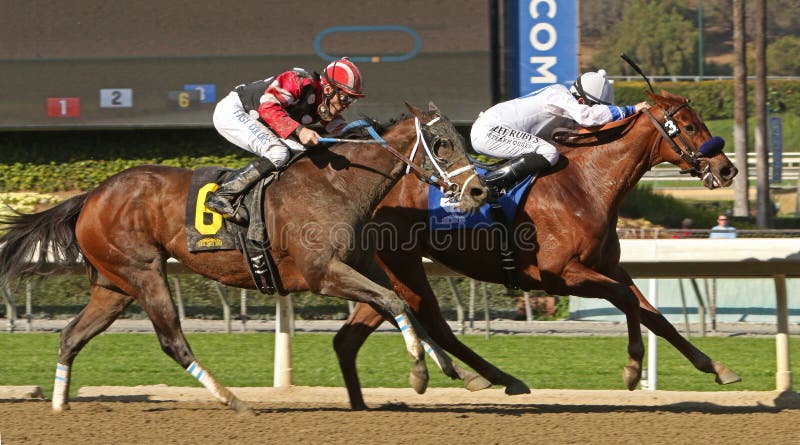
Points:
(63, 106)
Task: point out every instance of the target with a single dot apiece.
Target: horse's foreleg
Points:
(582, 281)
(409, 280)
(659, 325)
(362, 322)
(104, 307)
(343, 281)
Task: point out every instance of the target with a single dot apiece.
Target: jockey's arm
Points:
(284, 91)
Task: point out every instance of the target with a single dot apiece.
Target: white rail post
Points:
(783, 372)
(283, 375)
(652, 343)
(11, 309)
(243, 309)
(528, 310)
(28, 306)
(459, 305)
(471, 308)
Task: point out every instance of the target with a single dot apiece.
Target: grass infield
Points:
(246, 359)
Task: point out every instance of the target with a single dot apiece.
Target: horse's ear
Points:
(653, 96)
(414, 110)
(432, 107)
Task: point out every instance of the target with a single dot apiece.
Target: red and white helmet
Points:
(344, 75)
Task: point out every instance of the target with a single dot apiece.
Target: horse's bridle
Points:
(444, 179)
(669, 131)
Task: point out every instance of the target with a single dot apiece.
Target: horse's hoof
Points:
(516, 388)
(631, 376)
(241, 408)
(725, 375)
(476, 382)
(359, 407)
(418, 380)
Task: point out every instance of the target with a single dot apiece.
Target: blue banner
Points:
(776, 136)
(543, 44)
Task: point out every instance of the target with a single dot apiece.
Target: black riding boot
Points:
(516, 169)
(220, 200)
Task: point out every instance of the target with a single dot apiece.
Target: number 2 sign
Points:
(63, 106)
(116, 98)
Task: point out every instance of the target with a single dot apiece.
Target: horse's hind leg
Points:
(104, 307)
(659, 325)
(154, 297)
(137, 277)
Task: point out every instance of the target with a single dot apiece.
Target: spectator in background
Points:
(722, 229)
(686, 229)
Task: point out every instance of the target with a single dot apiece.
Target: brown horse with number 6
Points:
(128, 227)
(574, 211)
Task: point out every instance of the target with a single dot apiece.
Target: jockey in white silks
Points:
(520, 129)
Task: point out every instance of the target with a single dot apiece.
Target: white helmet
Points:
(594, 88)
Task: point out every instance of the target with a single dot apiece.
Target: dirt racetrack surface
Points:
(164, 415)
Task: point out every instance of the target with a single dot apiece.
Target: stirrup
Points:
(219, 204)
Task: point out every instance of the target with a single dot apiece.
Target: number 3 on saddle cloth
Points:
(497, 217)
(207, 230)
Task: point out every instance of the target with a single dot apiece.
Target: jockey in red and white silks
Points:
(269, 118)
(266, 117)
(519, 129)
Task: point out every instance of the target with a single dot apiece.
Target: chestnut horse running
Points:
(574, 211)
(128, 227)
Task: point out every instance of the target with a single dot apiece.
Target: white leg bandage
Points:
(205, 378)
(61, 386)
(408, 334)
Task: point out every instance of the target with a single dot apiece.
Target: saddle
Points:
(246, 231)
(207, 230)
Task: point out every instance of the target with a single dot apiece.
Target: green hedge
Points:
(714, 99)
(80, 160)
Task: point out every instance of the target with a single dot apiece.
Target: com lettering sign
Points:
(544, 44)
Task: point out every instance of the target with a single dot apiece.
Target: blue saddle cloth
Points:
(443, 215)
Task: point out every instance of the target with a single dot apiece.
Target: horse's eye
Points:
(690, 128)
(443, 148)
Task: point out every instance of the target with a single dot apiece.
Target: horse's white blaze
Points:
(60, 387)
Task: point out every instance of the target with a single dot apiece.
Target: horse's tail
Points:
(33, 242)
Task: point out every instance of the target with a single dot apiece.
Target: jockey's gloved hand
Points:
(307, 136)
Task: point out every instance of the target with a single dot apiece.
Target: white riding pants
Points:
(247, 132)
(491, 139)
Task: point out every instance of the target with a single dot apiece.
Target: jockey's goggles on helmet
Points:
(345, 99)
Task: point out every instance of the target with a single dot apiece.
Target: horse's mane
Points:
(569, 139)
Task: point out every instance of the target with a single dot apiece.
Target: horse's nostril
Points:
(477, 192)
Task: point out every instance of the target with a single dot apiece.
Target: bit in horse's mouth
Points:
(710, 181)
